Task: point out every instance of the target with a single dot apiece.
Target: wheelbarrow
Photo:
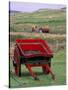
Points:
(32, 53)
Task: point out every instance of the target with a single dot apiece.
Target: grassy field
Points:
(20, 27)
(56, 42)
(54, 19)
(59, 69)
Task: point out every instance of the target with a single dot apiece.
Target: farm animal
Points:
(35, 29)
(43, 30)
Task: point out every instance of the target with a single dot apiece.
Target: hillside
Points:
(54, 19)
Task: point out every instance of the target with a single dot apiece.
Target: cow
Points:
(35, 29)
(44, 30)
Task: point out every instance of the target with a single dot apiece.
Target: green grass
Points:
(59, 69)
(14, 37)
(54, 19)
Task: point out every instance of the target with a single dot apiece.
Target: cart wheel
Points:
(45, 71)
(16, 62)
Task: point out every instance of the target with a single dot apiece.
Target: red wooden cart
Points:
(32, 53)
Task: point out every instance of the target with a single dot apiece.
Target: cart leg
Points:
(49, 69)
(18, 70)
(45, 70)
(31, 72)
